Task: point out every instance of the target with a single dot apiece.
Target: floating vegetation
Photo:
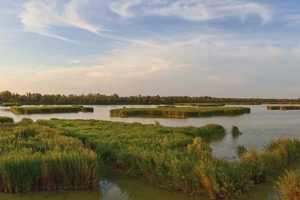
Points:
(35, 157)
(178, 112)
(50, 109)
(6, 120)
(235, 131)
(283, 108)
(289, 186)
(200, 104)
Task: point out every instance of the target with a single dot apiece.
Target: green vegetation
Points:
(244, 103)
(11, 104)
(178, 112)
(241, 150)
(283, 107)
(35, 157)
(49, 109)
(179, 158)
(6, 120)
(289, 186)
(200, 104)
(235, 131)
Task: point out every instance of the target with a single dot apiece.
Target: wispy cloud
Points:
(123, 7)
(195, 10)
(41, 16)
(292, 20)
(75, 61)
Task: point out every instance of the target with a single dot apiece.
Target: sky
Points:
(222, 48)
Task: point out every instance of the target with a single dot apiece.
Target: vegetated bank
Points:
(178, 112)
(50, 109)
(36, 157)
(9, 104)
(289, 186)
(283, 107)
(178, 158)
(200, 104)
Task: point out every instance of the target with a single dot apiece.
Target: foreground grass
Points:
(289, 186)
(35, 157)
(179, 158)
(49, 109)
(178, 112)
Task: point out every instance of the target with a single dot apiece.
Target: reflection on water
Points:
(124, 188)
(121, 189)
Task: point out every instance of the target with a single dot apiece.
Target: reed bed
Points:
(235, 131)
(243, 103)
(178, 112)
(180, 159)
(11, 104)
(50, 109)
(6, 120)
(35, 157)
(200, 104)
(289, 186)
(283, 108)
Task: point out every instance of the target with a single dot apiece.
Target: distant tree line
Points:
(101, 99)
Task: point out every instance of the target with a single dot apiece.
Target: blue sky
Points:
(224, 48)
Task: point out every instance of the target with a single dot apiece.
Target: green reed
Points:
(35, 157)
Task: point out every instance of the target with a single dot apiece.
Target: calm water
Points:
(258, 129)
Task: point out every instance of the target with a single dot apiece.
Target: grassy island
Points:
(178, 112)
(35, 157)
(50, 109)
(200, 104)
(283, 107)
(11, 104)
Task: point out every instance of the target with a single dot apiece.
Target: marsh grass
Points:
(235, 131)
(200, 104)
(289, 186)
(283, 108)
(178, 112)
(6, 119)
(9, 104)
(34, 157)
(50, 109)
(180, 159)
